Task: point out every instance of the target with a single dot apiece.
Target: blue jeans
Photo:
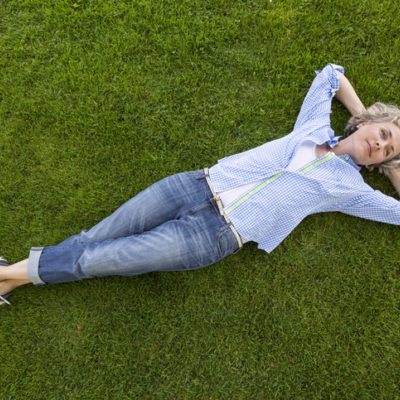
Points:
(173, 225)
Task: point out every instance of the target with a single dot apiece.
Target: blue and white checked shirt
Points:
(271, 210)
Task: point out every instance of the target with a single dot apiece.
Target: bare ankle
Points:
(17, 271)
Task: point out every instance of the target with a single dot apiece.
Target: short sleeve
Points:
(318, 101)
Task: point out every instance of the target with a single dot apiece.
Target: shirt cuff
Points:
(338, 67)
(33, 266)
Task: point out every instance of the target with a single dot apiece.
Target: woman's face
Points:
(373, 143)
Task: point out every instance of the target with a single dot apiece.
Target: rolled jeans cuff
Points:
(33, 266)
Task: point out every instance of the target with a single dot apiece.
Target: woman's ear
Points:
(362, 124)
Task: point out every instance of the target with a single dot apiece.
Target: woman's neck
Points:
(342, 147)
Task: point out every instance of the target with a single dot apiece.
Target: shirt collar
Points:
(333, 141)
(348, 159)
(351, 162)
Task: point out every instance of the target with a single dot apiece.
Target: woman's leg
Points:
(160, 202)
(197, 238)
(169, 198)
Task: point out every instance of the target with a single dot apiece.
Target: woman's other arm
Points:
(394, 176)
(374, 205)
(348, 96)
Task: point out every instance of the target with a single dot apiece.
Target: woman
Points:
(194, 219)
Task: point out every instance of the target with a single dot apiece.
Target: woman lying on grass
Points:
(194, 219)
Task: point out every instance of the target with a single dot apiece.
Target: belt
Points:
(218, 202)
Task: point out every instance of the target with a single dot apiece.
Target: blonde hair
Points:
(378, 112)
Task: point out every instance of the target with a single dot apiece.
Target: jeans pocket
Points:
(226, 242)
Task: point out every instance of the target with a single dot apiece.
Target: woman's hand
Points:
(348, 96)
(394, 176)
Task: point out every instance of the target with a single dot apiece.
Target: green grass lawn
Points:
(99, 99)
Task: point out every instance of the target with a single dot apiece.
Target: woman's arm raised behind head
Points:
(348, 96)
